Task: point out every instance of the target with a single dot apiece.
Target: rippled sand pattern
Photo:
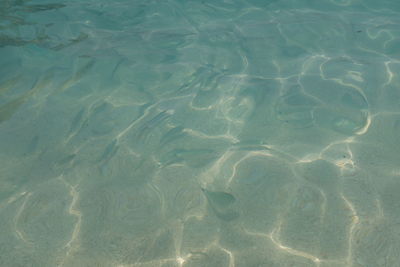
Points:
(200, 133)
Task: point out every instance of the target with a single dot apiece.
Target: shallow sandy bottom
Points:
(200, 133)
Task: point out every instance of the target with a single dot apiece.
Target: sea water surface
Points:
(236, 133)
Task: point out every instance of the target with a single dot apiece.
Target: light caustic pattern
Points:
(200, 133)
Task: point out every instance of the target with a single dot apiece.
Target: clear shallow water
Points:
(200, 133)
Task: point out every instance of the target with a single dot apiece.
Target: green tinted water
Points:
(200, 133)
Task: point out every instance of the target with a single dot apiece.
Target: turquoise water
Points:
(200, 133)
